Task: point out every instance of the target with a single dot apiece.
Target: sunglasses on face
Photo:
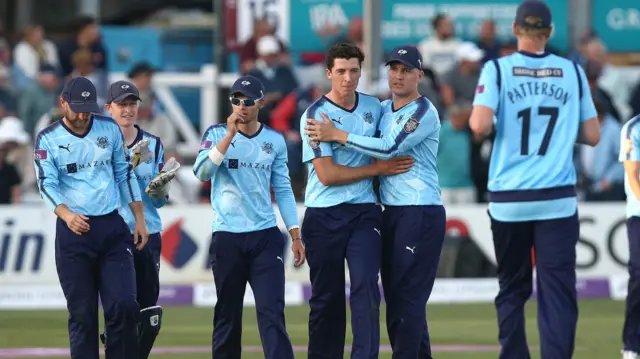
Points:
(248, 103)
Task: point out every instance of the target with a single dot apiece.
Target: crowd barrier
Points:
(28, 276)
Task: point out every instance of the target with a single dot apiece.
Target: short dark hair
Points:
(343, 51)
(437, 19)
(141, 68)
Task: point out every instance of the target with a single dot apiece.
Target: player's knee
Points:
(127, 308)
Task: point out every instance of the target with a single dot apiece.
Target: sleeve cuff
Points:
(293, 227)
(215, 156)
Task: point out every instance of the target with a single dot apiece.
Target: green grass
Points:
(599, 329)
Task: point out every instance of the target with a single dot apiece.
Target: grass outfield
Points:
(599, 329)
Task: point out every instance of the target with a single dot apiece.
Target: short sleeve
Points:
(488, 91)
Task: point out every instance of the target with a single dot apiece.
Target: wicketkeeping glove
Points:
(140, 152)
(159, 185)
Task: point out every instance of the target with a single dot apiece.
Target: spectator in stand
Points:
(579, 55)
(634, 100)
(459, 84)
(600, 174)
(508, 48)
(488, 42)
(277, 77)
(354, 34)
(249, 51)
(610, 80)
(480, 155)
(7, 97)
(10, 191)
(439, 51)
(593, 71)
(53, 115)
(286, 119)
(87, 40)
(84, 66)
(454, 157)
(34, 51)
(39, 97)
(16, 167)
(151, 117)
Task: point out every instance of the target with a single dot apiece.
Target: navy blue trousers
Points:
(99, 261)
(412, 240)
(255, 258)
(147, 264)
(554, 242)
(631, 329)
(331, 235)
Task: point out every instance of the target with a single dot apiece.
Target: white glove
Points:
(140, 152)
(158, 187)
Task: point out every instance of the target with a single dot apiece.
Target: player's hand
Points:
(297, 248)
(394, 166)
(232, 123)
(77, 223)
(140, 234)
(323, 131)
(299, 255)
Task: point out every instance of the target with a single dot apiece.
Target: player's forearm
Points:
(159, 202)
(338, 175)
(204, 167)
(62, 211)
(130, 192)
(208, 162)
(50, 195)
(371, 146)
(286, 204)
(137, 208)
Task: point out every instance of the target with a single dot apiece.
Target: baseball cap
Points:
(248, 86)
(468, 51)
(120, 90)
(80, 93)
(533, 14)
(407, 55)
(47, 68)
(268, 45)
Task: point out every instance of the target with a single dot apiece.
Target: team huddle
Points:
(105, 178)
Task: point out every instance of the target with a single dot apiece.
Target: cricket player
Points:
(243, 158)
(84, 175)
(147, 155)
(539, 105)
(342, 220)
(414, 220)
(630, 155)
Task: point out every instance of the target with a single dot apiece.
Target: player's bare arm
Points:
(481, 121)
(589, 133)
(331, 174)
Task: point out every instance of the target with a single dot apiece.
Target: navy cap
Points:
(120, 90)
(81, 95)
(47, 68)
(533, 14)
(248, 86)
(407, 55)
